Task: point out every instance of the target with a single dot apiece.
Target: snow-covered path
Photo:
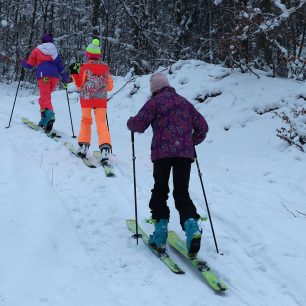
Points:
(62, 225)
(42, 260)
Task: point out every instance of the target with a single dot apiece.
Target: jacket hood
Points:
(165, 88)
(48, 49)
(96, 68)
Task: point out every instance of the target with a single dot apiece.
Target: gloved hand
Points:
(128, 123)
(23, 61)
(74, 68)
(24, 64)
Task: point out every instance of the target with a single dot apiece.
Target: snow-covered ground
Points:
(63, 235)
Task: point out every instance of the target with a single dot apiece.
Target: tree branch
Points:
(301, 213)
(290, 141)
(289, 210)
(150, 41)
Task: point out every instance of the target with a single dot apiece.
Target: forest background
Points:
(141, 35)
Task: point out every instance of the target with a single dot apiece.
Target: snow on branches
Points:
(294, 133)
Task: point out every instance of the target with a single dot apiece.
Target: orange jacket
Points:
(93, 82)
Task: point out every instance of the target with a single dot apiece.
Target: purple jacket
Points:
(47, 61)
(177, 125)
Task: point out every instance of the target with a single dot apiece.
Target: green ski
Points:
(35, 127)
(108, 169)
(211, 278)
(164, 256)
(73, 150)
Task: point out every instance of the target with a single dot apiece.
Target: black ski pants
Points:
(181, 174)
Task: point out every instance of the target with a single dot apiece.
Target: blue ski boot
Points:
(193, 237)
(41, 121)
(47, 120)
(159, 238)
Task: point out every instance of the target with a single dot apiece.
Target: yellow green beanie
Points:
(94, 47)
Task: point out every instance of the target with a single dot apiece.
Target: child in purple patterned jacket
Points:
(177, 128)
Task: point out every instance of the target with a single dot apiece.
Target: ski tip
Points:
(178, 270)
(110, 175)
(92, 166)
(221, 288)
(218, 286)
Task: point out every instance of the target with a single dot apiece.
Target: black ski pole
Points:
(107, 122)
(209, 216)
(20, 79)
(137, 235)
(108, 129)
(73, 136)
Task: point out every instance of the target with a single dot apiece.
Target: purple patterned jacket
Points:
(177, 125)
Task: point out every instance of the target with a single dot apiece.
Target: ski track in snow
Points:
(248, 173)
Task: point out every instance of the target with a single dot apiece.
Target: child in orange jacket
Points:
(93, 81)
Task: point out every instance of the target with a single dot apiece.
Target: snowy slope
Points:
(62, 225)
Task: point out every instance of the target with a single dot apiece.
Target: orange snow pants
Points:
(102, 129)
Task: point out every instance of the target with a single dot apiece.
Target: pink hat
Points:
(158, 81)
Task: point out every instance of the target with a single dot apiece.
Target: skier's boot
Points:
(193, 237)
(47, 119)
(83, 149)
(41, 121)
(105, 151)
(159, 238)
